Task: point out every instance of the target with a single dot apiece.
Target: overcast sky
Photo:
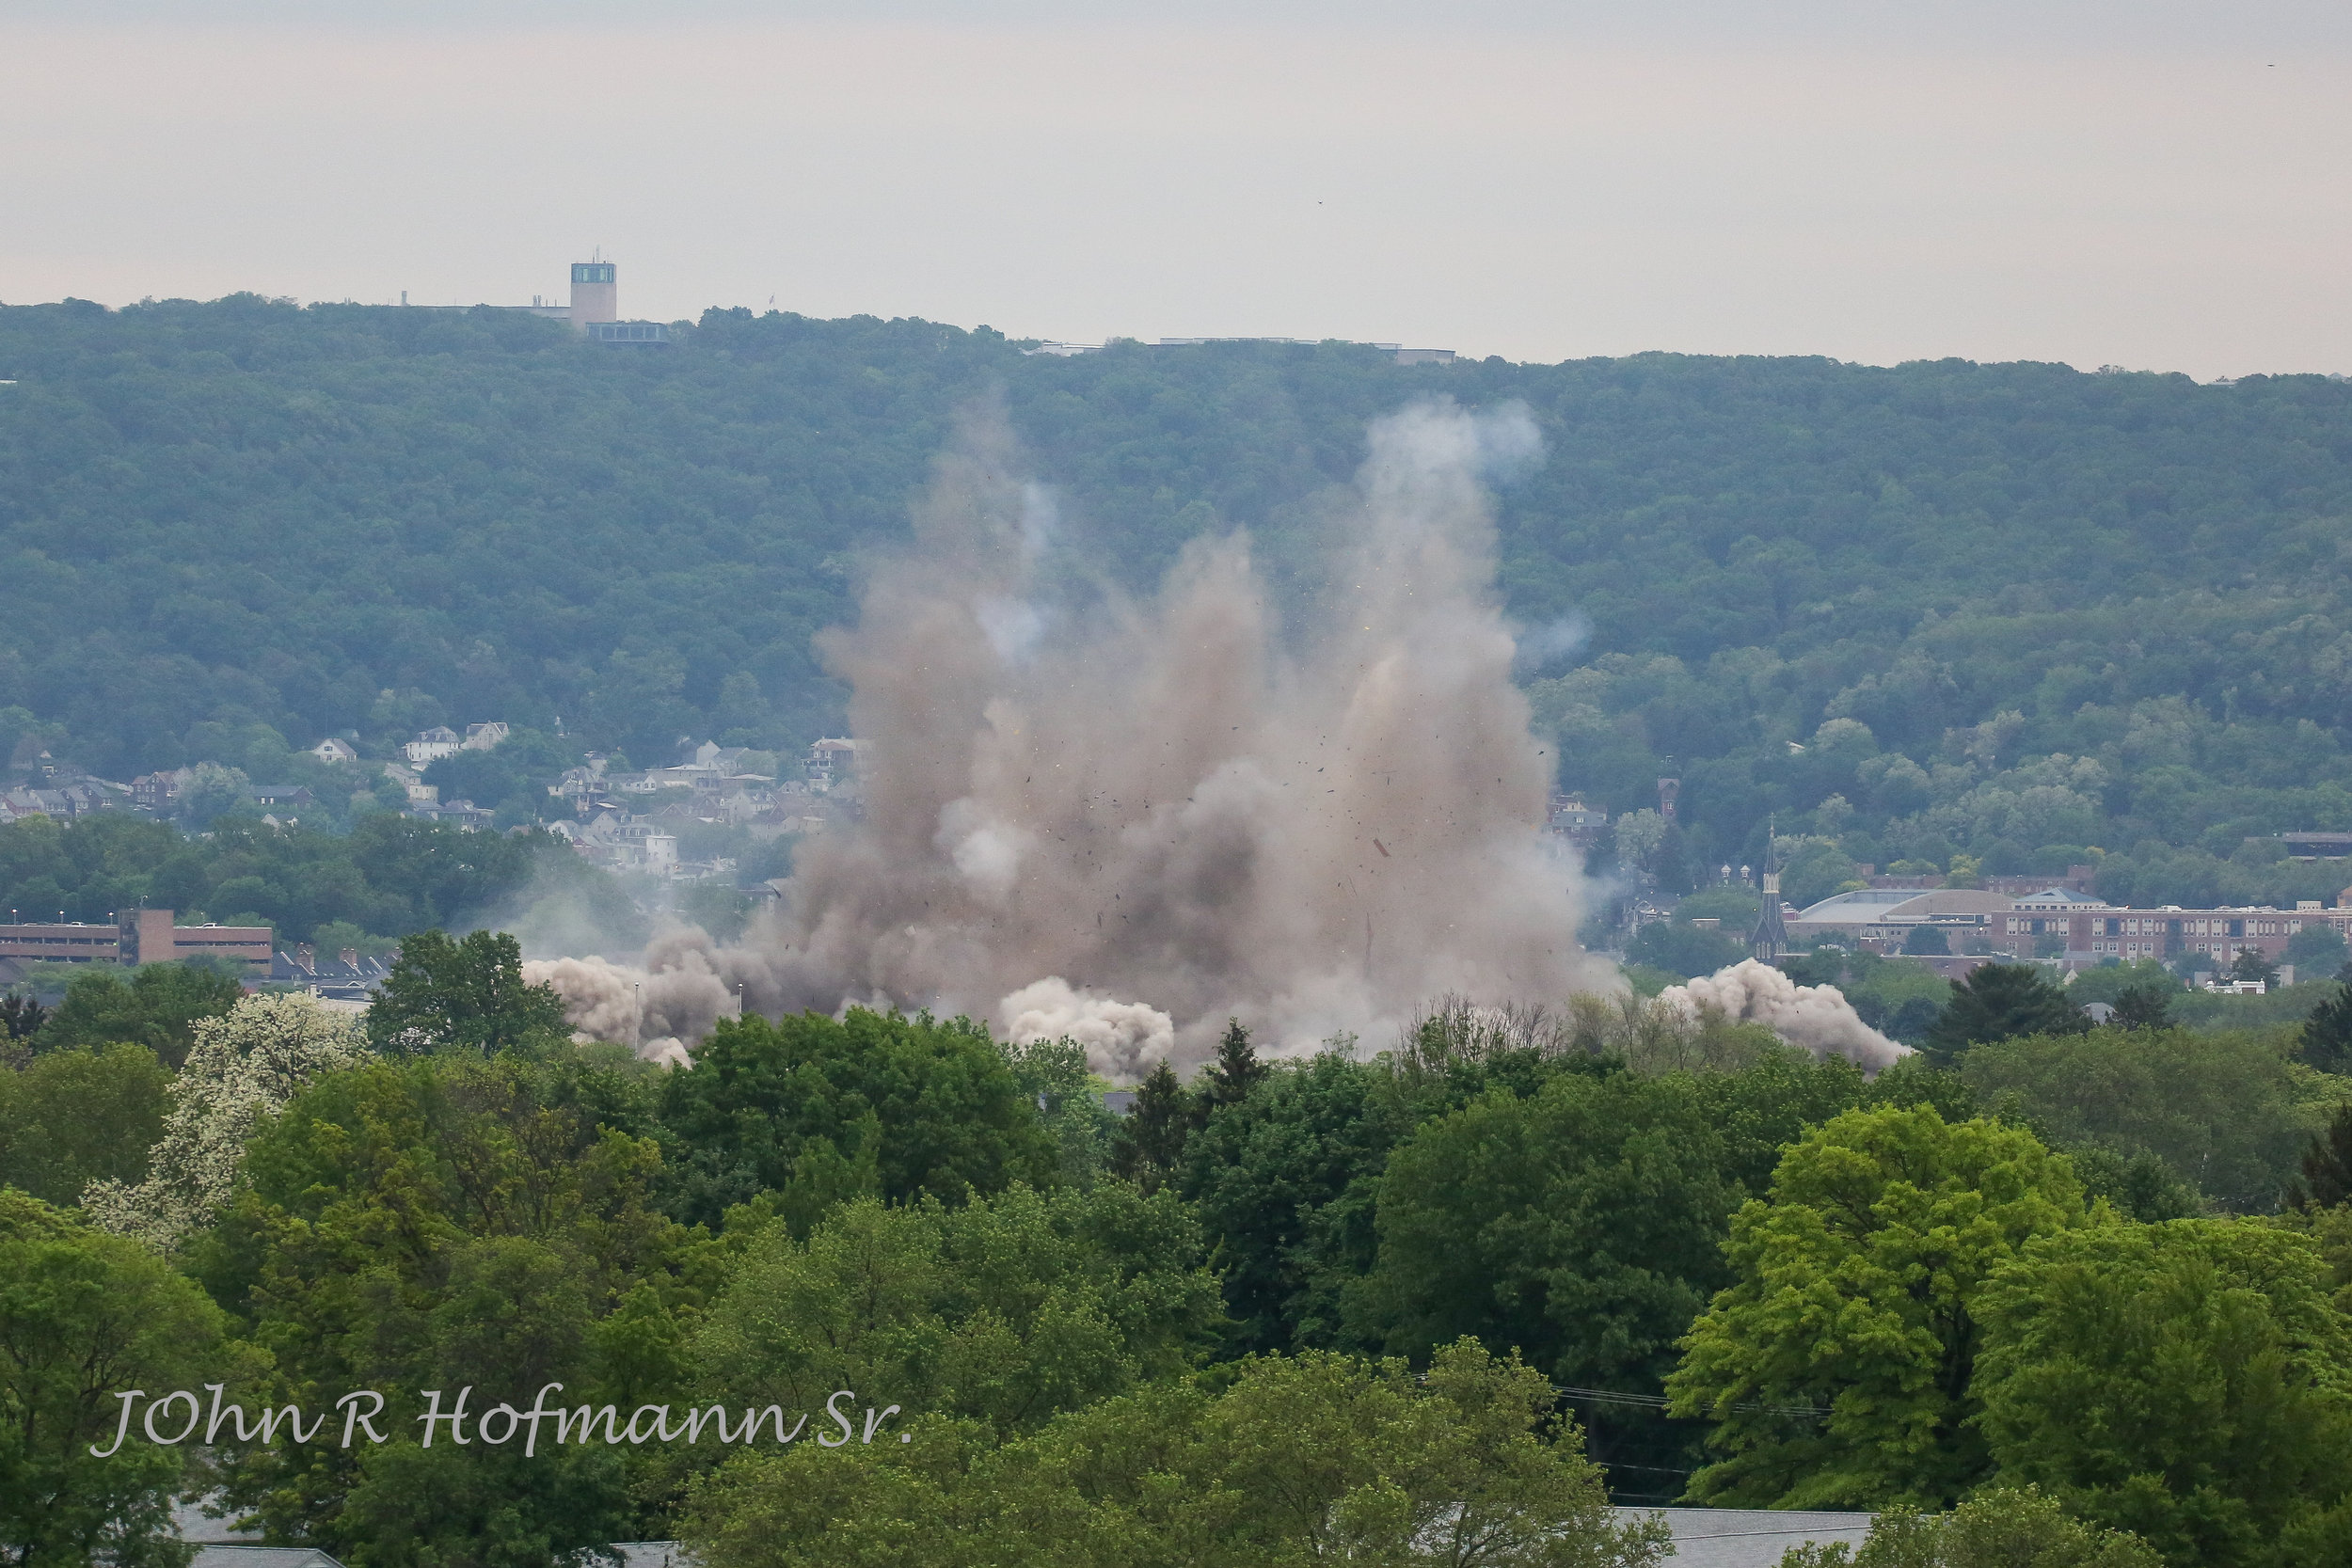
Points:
(2157, 185)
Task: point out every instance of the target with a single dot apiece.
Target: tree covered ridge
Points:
(245, 512)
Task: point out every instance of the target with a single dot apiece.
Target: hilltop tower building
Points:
(594, 310)
(596, 297)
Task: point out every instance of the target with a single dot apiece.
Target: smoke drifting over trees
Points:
(1169, 804)
(1816, 1017)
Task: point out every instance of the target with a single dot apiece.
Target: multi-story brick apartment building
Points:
(2060, 924)
(2166, 934)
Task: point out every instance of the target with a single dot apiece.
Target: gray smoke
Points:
(648, 1009)
(1165, 805)
(1122, 1039)
(1817, 1018)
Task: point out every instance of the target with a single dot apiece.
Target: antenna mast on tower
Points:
(1771, 939)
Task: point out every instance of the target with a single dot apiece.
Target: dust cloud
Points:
(1134, 818)
(1121, 1038)
(1817, 1018)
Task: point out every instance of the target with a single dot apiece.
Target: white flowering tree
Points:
(244, 1068)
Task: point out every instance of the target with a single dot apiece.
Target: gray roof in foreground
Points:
(263, 1557)
(1749, 1537)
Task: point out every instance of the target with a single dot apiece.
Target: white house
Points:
(332, 750)
(433, 745)
(829, 759)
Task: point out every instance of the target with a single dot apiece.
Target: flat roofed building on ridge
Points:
(143, 936)
(71, 942)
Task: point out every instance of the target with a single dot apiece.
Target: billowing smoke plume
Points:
(1166, 803)
(1816, 1017)
(648, 1009)
(1122, 1038)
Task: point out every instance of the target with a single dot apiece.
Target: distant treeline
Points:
(389, 877)
(2012, 612)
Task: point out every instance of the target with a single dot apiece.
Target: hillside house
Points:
(1570, 818)
(619, 842)
(62, 802)
(156, 792)
(458, 814)
(419, 792)
(831, 761)
(432, 746)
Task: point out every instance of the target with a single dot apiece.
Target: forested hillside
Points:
(2012, 612)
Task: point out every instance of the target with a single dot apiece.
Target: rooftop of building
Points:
(1749, 1537)
(1876, 904)
(2052, 897)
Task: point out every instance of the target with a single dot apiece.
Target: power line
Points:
(1658, 1401)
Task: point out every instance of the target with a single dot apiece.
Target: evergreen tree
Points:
(1237, 1070)
(2327, 1033)
(1927, 940)
(20, 1017)
(1152, 1142)
(2252, 963)
(2326, 1179)
(2143, 1007)
(1998, 1002)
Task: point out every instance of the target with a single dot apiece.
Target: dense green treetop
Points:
(83, 1317)
(2000, 1528)
(156, 1006)
(444, 1221)
(1005, 1311)
(1319, 1459)
(2221, 1111)
(929, 1107)
(2050, 611)
(74, 1117)
(462, 994)
(1582, 1227)
(2324, 1180)
(1856, 1292)
(1288, 1181)
(2189, 1382)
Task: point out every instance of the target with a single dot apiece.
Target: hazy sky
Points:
(2157, 185)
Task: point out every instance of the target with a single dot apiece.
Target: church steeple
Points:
(1770, 938)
